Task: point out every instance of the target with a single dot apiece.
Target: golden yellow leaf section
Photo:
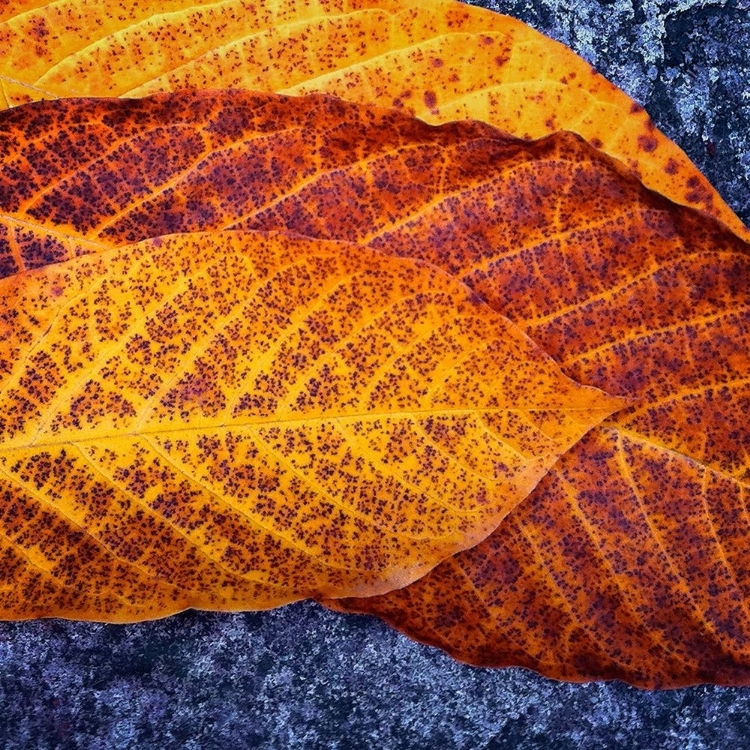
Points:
(441, 60)
(237, 420)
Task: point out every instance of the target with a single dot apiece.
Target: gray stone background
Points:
(302, 677)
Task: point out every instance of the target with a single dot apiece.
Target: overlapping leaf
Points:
(439, 59)
(640, 575)
(229, 421)
(627, 291)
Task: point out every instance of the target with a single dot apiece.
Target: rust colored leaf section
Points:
(235, 420)
(647, 516)
(629, 560)
(640, 575)
(440, 60)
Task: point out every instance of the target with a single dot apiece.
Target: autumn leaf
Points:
(629, 560)
(440, 60)
(640, 574)
(230, 421)
(629, 292)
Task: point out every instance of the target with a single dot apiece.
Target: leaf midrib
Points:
(287, 421)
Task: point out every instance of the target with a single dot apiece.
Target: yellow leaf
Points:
(237, 420)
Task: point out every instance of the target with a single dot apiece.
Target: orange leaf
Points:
(631, 293)
(233, 421)
(440, 60)
(640, 575)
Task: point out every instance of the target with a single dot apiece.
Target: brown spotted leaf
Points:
(236, 420)
(640, 574)
(645, 518)
(438, 59)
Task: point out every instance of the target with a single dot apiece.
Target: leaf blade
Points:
(626, 290)
(442, 61)
(239, 421)
(480, 608)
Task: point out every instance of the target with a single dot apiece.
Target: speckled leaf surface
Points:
(645, 517)
(235, 421)
(440, 60)
(629, 560)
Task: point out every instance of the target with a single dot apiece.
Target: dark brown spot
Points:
(39, 30)
(647, 143)
(477, 298)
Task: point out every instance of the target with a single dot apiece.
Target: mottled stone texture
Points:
(302, 677)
